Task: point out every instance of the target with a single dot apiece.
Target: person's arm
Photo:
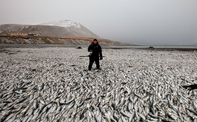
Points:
(89, 48)
(100, 51)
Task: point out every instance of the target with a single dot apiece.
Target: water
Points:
(157, 46)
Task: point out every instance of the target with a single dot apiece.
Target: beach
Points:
(53, 84)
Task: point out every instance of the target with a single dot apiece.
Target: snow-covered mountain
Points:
(61, 28)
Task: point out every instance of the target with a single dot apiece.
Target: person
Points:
(95, 51)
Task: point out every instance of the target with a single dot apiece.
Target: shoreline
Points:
(170, 49)
(2, 46)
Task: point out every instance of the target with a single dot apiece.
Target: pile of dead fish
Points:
(52, 84)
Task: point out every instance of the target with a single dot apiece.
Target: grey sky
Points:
(153, 22)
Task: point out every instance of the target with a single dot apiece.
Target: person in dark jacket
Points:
(95, 51)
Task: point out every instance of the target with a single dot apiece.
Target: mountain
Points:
(57, 32)
(52, 29)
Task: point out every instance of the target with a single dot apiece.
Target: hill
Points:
(8, 39)
(56, 32)
(52, 29)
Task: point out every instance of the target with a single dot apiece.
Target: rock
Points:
(79, 47)
(33, 70)
(190, 87)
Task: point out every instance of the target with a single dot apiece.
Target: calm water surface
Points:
(157, 46)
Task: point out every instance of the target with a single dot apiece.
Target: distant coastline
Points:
(153, 48)
(159, 47)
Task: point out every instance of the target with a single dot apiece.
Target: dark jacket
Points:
(95, 50)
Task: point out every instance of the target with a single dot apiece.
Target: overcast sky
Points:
(146, 22)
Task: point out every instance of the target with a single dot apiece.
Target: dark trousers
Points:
(92, 60)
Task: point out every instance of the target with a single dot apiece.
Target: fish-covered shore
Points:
(53, 84)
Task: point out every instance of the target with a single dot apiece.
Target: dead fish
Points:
(192, 111)
(125, 115)
(24, 99)
(42, 102)
(77, 88)
(58, 110)
(42, 86)
(115, 117)
(153, 116)
(133, 115)
(41, 110)
(130, 99)
(106, 118)
(87, 99)
(151, 109)
(82, 114)
(6, 101)
(80, 104)
(60, 119)
(113, 106)
(67, 103)
(47, 109)
(36, 105)
(72, 105)
(172, 116)
(137, 95)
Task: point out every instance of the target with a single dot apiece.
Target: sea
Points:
(155, 46)
(158, 46)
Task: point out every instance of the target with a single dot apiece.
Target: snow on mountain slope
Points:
(63, 23)
(67, 28)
